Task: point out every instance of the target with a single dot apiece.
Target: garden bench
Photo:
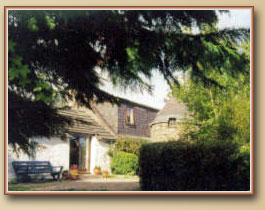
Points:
(25, 168)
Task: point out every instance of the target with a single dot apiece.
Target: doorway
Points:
(79, 154)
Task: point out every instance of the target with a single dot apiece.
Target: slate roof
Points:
(85, 124)
(172, 109)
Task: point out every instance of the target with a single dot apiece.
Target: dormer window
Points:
(172, 122)
(129, 115)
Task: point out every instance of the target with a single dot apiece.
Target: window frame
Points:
(172, 119)
(131, 122)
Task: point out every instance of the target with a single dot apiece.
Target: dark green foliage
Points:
(53, 54)
(129, 145)
(68, 45)
(242, 161)
(28, 115)
(124, 163)
(200, 166)
(218, 113)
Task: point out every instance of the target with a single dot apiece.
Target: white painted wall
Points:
(13, 157)
(54, 150)
(99, 156)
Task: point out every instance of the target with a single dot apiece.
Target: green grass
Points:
(13, 181)
(73, 189)
(35, 188)
(22, 188)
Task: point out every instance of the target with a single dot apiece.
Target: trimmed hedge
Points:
(124, 163)
(201, 166)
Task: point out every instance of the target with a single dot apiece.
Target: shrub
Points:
(242, 161)
(200, 166)
(124, 163)
(129, 145)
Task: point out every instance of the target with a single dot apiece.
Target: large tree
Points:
(219, 112)
(53, 55)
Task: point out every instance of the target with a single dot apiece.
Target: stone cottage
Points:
(166, 126)
(91, 135)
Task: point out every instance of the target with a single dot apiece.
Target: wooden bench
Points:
(25, 168)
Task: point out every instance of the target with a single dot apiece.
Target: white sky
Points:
(236, 18)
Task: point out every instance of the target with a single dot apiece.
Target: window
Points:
(129, 115)
(172, 122)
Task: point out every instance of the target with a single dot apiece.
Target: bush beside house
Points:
(130, 145)
(124, 163)
(201, 166)
(125, 153)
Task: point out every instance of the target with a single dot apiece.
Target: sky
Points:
(235, 19)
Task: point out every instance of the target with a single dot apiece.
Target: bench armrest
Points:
(57, 168)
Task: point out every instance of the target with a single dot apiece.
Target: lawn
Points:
(23, 188)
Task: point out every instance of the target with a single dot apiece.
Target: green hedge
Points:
(130, 145)
(183, 166)
(124, 163)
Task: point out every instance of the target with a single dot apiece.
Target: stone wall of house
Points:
(109, 113)
(142, 118)
(162, 132)
(54, 150)
(99, 156)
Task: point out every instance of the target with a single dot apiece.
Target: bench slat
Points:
(36, 167)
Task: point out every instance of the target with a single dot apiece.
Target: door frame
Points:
(88, 158)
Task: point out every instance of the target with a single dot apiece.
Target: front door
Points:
(79, 154)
